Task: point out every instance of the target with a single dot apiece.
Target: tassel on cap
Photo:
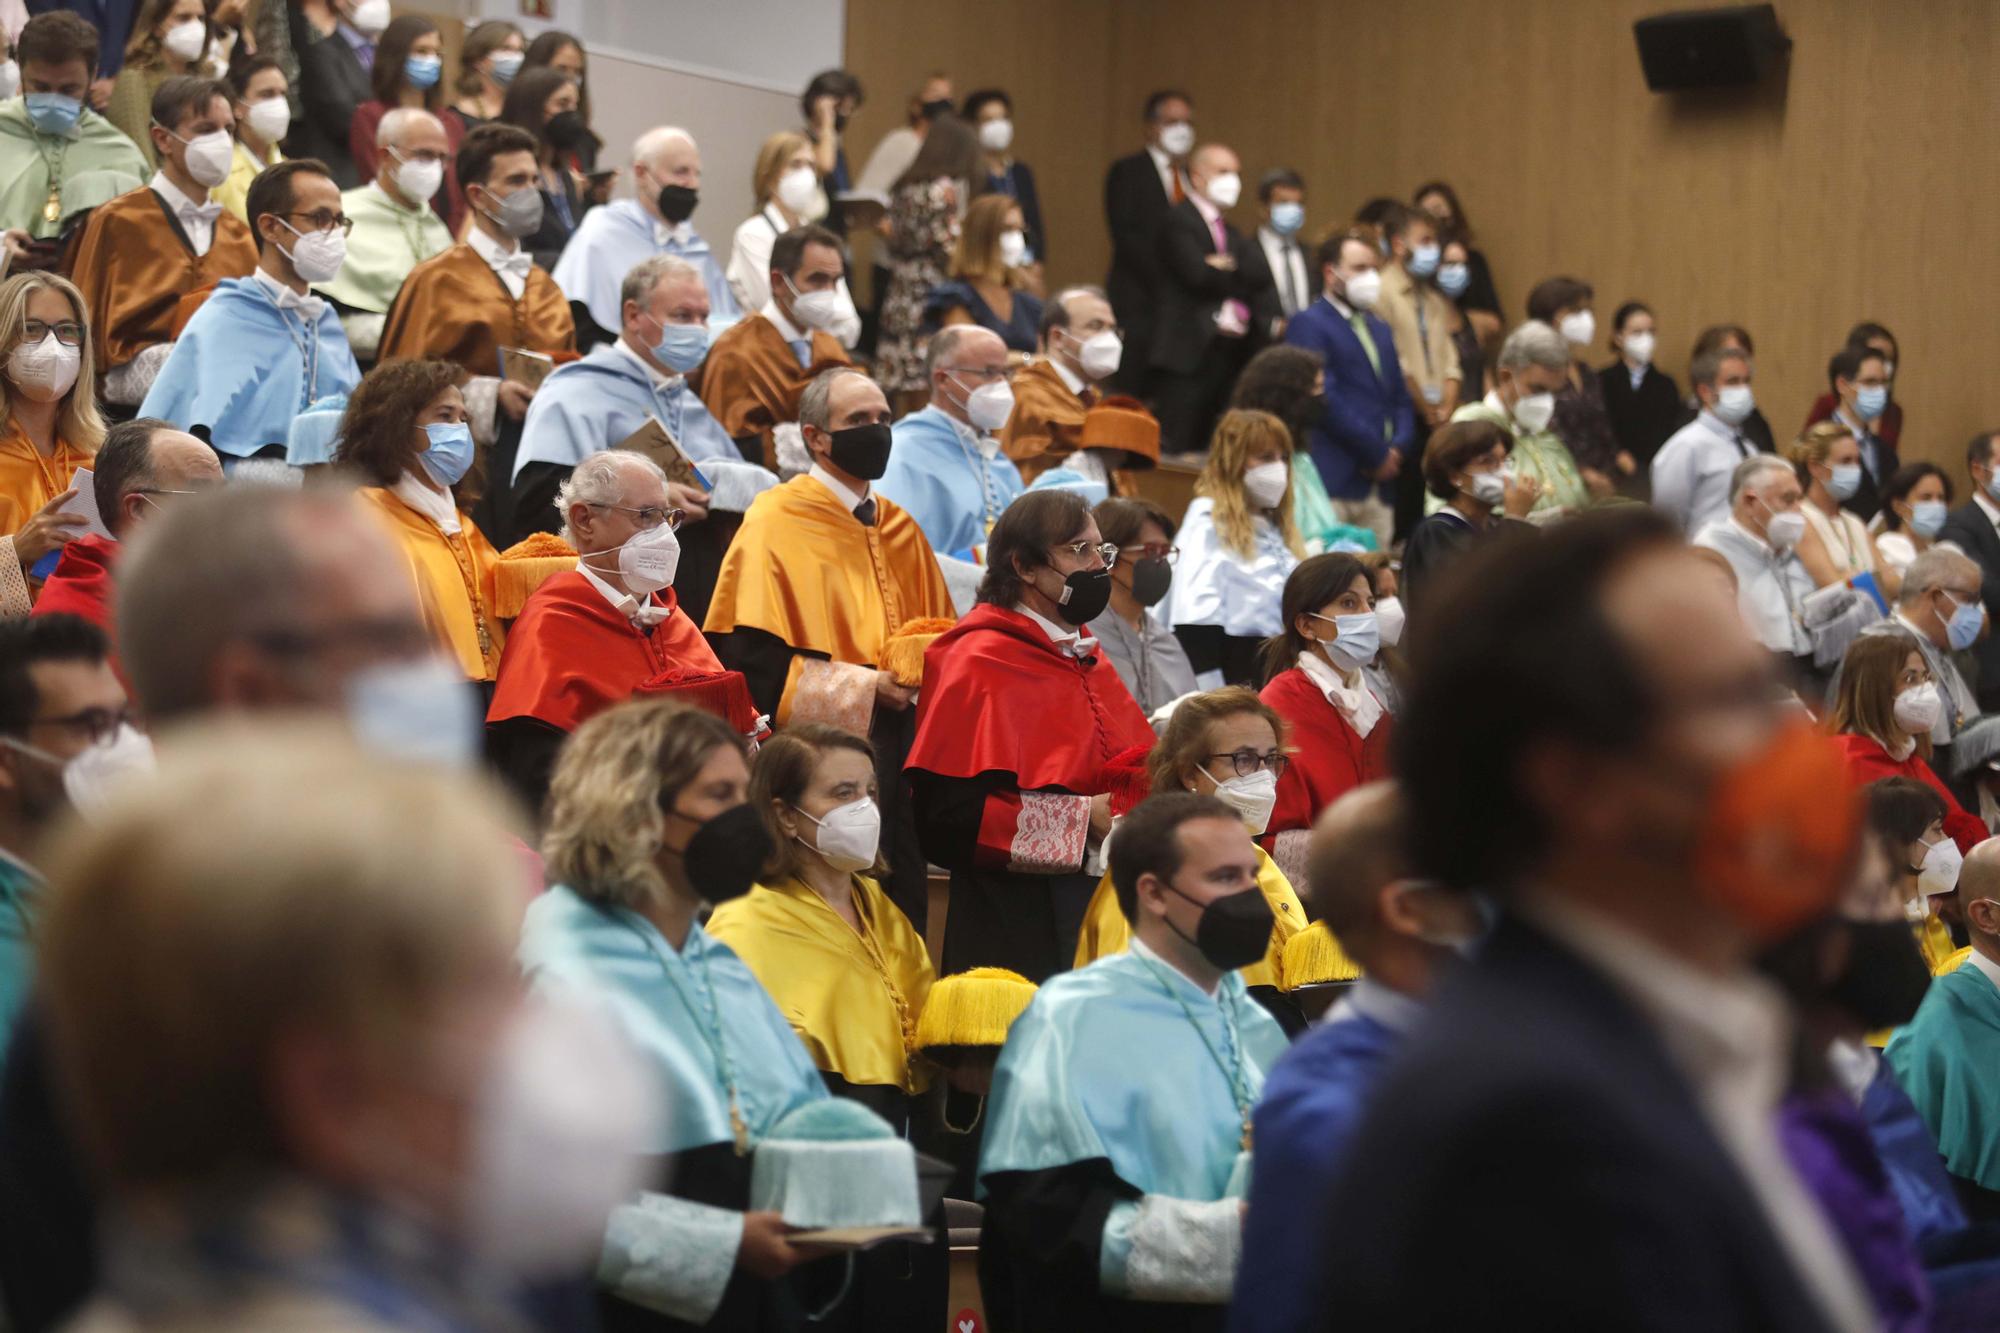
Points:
(1314, 955)
(973, 1008)
(526, 566)
(903, 654)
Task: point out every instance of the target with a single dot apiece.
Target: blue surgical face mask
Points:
(1963, 627)
(681, 346)
(53, 113)
(1359, 637)
(1870, 399)
(422, 711)
(1845, 481)
(1423, 261)
(450, 456)
(1927, 518)
(1453, 279)
(422, 71)
(1287, 217)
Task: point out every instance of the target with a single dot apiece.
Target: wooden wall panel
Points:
(1857, 186)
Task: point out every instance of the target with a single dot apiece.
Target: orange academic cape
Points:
(454, 307)
(454, 577)
(805, 570)
(752, 379)
(134, 265)
(29, 481)
(1047, 425)
(571, 654)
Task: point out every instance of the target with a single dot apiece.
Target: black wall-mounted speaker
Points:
(1710, 48)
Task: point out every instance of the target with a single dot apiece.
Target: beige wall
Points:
(1858, 187)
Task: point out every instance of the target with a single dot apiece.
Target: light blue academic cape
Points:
(946, 483)
(1104, 1063)
(621, 959)
(244, 369)
(597, 402)
(611, 241)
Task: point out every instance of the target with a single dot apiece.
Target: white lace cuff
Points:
(127, 385)
(736, 483)
(14, 601)
(1178, 1250)
(671, 1255)
(364, 333)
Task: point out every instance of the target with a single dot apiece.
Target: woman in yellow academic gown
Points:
(49, 424)
(405, 433)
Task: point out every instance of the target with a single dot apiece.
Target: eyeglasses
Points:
(99, 724)
(325, 221)
(984, 374)
(1247, 761)
(649, 516)
(1107, 552)
(1153, 551)
(68, 332)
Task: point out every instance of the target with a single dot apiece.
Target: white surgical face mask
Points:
(421, 710)
(1364, 289)
(1177, 138)
(1917, 709)
(996, 136)
(46, 370)
(184, 41)
(1389, 614)
(1639, 347)
(1489, 488)
(1265, 484)
(1225, 190)
(796, 189)
(270, 119)
(419, 180)
(1252, 797)
(849, 836)
(316, 255)
(1734, 403)
(1099, 354)
(1579, 327)
(1013, 247)
(1534, 411)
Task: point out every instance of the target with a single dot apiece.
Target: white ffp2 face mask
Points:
(1390, 616)
(1917, 710)
(1252, 797)
(989, 405)
(1942, 860)
(1225, 190)
(1099, 354)
(1265, 484)
(270, 119)
(796, 189)
(1364, 289)
(850, 835)
(45, 370)
(1534, 411)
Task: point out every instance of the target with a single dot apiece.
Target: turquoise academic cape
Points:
(596, 403)
(1104, 1063)
(611, 241)
(948, 486)
(20, 898)
(1948, 1060)
(621, 959)
(243, 368)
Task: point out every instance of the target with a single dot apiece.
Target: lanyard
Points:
(308, 357)
(978, 460)
(710, 1020)
(1232, 1069)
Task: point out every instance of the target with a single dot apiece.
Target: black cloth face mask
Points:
(677, 203)
(1886, 976)
(1152, 579)
(1085, 594)
(861, 451)
(1234, 931)
(726, 853)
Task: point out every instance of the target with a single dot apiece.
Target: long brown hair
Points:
(1866, 702)
(951, 149)
(978, 254)
(1312, 585)
(784, 769)
(1221, 480)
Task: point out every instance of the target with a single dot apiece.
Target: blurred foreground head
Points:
(1591, 721)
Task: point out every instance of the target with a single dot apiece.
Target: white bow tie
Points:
(645, 614)
(308, 306)
(203, 213)
(518, 264)
(1080, 647)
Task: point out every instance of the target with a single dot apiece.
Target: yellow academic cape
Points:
(454, 577)
(135, 264)
(805, 570)
(454, 307)
(234, 192)
(852, 996)
(28, 481)
(1106, 931)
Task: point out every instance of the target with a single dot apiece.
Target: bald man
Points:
(1948, 1057)
(1402, 931)
(610, 242)
(1216, 303)
(946, 468)
(395, 226)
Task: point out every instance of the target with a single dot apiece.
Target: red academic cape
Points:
(571, 654)
(80, 584)
(1327, 757)
(1000, 698)
(1868, 762)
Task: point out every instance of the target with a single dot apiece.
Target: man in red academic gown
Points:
(141, 466)
(592, 637)
(1018, 721)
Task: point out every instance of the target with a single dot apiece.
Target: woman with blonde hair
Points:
(650, 819)
(169, 37)
(48, 400)
(1836, 545)
(1239, 542)
(786, 186)
(990, 284)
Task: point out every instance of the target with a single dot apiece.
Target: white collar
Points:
(1163, 161)
(489, 249)
(1274, 239)
(674, 233)
(1146, 951)
(1071, 640)
(653, 373)
(439, 509)
(1751, 537)
(1987, 506)
(848, 499)
(776, 219)
(642, 610)
(972, 437)
(1717, 426)
(1209, 212)
(1071, 380)
(1345, 310)
(1356, 703)
(1915, 633)
(1373, 1000)
(178, 202)
(785, 328)
(1987, 967)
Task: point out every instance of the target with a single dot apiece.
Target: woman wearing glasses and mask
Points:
(1019, 715)
(405, 434)
(48, 400)
(1144, 652)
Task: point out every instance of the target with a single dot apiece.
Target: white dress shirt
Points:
(1987, 507)
(641, 612)
(849, 500)
(1692, 470)
(1164, 164)
(1729, 1036)
(308, 306)
(1288, 268)
(1371, 999)
(1066, 637)
(1213, 585)
(749, 270)
(197, 219)
(1770, 588)
(512, 265)
(658, 378)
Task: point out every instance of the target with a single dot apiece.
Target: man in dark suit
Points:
(333, 80)
(1138, 192)
(1581, 1132)
(1858, 375)
(1216, 302)
(1975, 527)
(1368, 430)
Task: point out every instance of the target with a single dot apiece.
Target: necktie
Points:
(1294, 298)
(1742, 447)
(864, 512)
(1359, 323)
(802, 348)
(1179, 192)
(1089, 396)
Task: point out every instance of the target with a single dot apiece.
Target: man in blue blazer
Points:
(1368, 430)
